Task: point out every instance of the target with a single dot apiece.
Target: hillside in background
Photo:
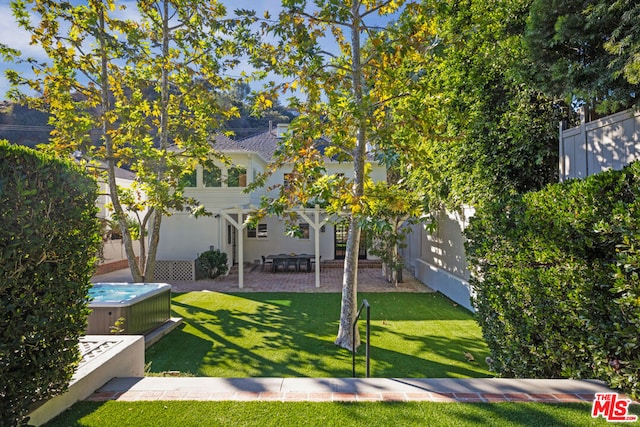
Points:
(26, 126)
(22, 125)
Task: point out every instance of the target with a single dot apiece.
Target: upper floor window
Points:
(189, 180)
(304, 231)
(212, 177)
(288, 178)
(237, 177)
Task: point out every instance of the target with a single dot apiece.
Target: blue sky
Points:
(15, 37)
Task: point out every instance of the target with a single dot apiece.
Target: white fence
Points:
(608, 143)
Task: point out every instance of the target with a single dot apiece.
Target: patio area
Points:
(370, 279)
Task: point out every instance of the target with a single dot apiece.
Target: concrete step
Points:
(363, 263)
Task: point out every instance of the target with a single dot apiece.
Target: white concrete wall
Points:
(125, 358)
(113, 250)
(438, 259)
(183, 237)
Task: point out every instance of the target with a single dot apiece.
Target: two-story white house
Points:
(222, 192)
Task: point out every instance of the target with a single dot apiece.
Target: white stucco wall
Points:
(438, 259)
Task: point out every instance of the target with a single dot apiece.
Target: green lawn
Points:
(276, 334)
(310, 414)
(292, 334)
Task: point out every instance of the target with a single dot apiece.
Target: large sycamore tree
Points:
(330, 55)
(137, 88)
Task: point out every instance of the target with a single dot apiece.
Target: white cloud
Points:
(14, 36)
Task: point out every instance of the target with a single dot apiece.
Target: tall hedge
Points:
(49, 236)
(556, 280)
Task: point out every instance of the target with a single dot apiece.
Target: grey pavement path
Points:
(351, 389)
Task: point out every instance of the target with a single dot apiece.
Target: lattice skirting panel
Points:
(175, 270)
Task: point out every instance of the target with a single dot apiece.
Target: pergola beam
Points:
(315, 221)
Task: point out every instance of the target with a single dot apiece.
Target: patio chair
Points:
(312, 262)
(268, 262)
(292, 262)
(280, 260)
(304, 260)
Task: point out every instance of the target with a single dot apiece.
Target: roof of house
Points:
(264, 143)
(125, 174)
(224, 143)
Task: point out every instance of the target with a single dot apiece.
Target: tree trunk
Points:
(156, 217)
(111, 173)
(154, 239)
(349, 304)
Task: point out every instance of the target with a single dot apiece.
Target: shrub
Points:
(556, 280)
(48, 242)
(211, 264)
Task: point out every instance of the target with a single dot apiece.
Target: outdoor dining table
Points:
(287, 260)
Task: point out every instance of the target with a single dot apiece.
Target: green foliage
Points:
(118, 326)
(624, 43)
(211, 264)
(579, 50)
(556, 280)
(150, 86)
(476, 127)
(48, 242)
(390, 211)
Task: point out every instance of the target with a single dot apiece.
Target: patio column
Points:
(316, 224)
(239, 226)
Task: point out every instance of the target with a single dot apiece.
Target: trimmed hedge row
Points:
(556, 280)
(48, 242)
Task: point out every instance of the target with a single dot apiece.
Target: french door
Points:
(340, 246)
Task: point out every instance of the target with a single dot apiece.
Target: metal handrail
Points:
(365, 303)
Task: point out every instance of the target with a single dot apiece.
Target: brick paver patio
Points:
(255, 280)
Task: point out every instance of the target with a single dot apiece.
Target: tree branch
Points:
(375, 9)
(324, 21)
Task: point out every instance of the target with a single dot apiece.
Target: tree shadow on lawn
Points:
(115, 413)
(283, 335)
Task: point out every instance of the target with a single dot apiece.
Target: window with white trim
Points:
(304, 231)
(260, 232)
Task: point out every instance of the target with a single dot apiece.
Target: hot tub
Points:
(143, 306)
